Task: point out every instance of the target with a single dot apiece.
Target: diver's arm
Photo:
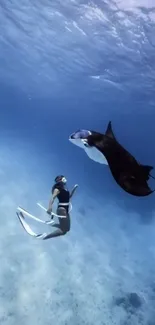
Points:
(73, 190)
(54, 195)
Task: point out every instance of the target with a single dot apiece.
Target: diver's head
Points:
(61, 179)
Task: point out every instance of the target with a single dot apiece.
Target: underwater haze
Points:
(68, 65)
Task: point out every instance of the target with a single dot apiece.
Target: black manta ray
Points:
(129, 174)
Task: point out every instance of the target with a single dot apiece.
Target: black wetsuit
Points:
(64, 223)
(63, 196)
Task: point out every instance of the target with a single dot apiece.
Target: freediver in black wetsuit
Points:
(60, 191)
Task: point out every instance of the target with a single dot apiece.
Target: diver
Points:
(60, 192)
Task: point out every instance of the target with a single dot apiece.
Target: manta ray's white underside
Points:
(92, 152)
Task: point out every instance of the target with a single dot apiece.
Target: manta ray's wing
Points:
(127, 172)
(100, 140)
(133, 178)
(134, 186)
(109, 132)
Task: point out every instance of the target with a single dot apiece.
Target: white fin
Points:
(54, 214)
(28, 229)
(33, 217)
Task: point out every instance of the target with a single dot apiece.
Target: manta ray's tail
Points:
(152, 176)
(149, 168)
(146, 169)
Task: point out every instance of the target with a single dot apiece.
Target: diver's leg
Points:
(64, 222)
(58, 232)
(63, 227)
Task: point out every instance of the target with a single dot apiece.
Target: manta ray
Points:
(128, 173)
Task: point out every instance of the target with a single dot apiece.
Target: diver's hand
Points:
(49, 211)
(73, 190)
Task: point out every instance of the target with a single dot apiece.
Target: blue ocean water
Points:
(66, 65)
